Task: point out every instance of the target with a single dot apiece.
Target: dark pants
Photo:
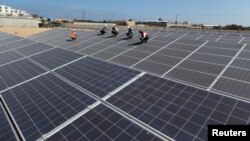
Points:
(144, 39)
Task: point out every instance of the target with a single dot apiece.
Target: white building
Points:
(8, 11)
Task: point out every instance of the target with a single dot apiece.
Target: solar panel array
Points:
(114, 88)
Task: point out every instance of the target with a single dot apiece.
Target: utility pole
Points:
(112, 17)
(83, 15)
(176, 18)
(176, 21)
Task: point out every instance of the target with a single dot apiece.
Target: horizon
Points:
(223, 12)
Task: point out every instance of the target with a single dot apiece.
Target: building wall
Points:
(19, 22)
(8, 11)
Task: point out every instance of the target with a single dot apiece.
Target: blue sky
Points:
(197, 11)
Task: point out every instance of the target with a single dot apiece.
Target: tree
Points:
(160, 19)
(35, 16)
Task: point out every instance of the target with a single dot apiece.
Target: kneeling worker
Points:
(73, 34)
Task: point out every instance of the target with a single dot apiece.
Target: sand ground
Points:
(23, 31)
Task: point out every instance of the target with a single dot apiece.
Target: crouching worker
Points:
(73, 35)
(144, 36)
(130, 32)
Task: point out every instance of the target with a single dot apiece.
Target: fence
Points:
(98, 26)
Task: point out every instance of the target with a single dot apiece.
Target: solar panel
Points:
(179, 111)
(104, 55)
(9, 40)
(244, 54)
(162, 59)
(19, 71)
(115, 49)
(221, 60)
(34, 48)
(9, 56)
(217, 51)
(136, 54)
(125, 60)
(96, 76)
(6, 131)
(19, 44)
(241, 63)
(201, 67)
(152, 67)
(102, 123)
(191, 77)
(146, 48)
(42, 104)
(234, 41)
(174, 53)
(55, 58)
(224, 45)
(233, 87)
(190, 42)
(184, 47)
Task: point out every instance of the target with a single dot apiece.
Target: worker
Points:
(73, 34)
(104, 29)
(130, 32)
(115, 31)
(144, 36)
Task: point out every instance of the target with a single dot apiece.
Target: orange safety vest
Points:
(72, 35)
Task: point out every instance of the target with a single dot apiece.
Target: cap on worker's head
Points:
(128, 26)
(140, 31)
(105, 25)
(74, 29)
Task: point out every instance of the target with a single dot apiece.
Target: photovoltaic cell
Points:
(19, 71)
(102, 123)
(55, 58)
(6, 133)
(97, 76)
(9, 56)
(42, 104)
(179, 111)
(34, 48)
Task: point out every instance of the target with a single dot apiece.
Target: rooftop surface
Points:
(114, 88)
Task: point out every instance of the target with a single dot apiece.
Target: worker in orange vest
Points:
(73, 34)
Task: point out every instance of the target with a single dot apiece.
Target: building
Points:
(168, 24)
(8, 11)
